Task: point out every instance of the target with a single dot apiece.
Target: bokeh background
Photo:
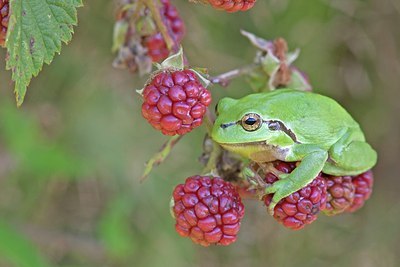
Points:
(72, 155)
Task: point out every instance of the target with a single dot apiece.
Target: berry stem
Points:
(160, 156)
(153, 7)
(225, 78)
(211, 166)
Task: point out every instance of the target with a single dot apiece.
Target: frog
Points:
(293, 126)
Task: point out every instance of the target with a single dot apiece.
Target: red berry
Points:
(363, 188)
(4, 16)
(175, 102)
(207, 210)
(232, 5)
(340, 194)
(300, 208)
(156, 47)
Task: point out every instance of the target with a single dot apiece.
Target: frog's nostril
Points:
(226, 125)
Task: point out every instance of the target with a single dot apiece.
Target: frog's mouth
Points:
(257, 151)
(243, 145)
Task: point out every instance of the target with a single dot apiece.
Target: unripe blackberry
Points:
(363, 184)
(175, 101)
(156, 46)
(301, 207)
(232, 5)
(4, 17)
(340, 194)
(207, 210)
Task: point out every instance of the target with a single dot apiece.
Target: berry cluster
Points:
(340, 194)
(232, 5)
(208, 210)
(138, 38)
(175, 101)
(156, 46)
(300, 208)
(4, 17)
(329, 194)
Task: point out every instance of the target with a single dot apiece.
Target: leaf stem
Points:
(211, 167)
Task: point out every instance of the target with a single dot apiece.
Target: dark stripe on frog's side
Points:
(286, 130)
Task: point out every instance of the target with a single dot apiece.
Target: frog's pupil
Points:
(251, 121)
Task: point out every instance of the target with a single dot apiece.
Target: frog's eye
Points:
(274, 125)
(251, 122)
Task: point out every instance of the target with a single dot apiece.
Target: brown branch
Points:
(225, 78)
(155, 12)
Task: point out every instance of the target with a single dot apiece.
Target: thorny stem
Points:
(225, 78)
(209, 121)
(152, 5)
(211, 166)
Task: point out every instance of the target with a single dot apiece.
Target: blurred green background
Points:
(71, 156)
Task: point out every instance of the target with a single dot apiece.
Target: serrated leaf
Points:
(37, 29)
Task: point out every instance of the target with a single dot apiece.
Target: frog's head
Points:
(247, 121)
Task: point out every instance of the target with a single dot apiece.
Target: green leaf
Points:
(36, 31)
(17, 250)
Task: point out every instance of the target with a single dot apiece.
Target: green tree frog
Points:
(292, 125)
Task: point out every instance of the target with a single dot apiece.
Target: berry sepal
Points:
(176, 62)
(277, 69)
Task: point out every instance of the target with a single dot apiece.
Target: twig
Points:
(225, 78)
(153, 7)
(211, 166)
(160, 156)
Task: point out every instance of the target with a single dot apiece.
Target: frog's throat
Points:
(257, 151)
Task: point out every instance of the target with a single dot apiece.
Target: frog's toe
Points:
(283, 176)
(280, 189)
(271, 208)
(271, 189)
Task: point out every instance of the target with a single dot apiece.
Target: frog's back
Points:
(323, 117)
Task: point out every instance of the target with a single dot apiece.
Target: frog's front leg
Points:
(312, 162)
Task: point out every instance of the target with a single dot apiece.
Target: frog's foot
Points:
(281, 189)
(254, 178)
(269, 167)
